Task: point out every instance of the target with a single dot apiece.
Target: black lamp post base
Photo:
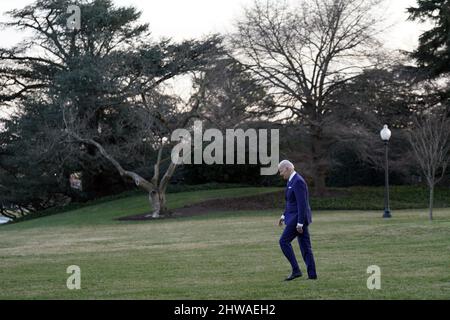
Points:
(387, 214)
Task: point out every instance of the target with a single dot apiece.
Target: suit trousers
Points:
(304, 241)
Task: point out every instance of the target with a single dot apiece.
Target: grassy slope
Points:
(222, 256)
(372, 198)
(106, 212)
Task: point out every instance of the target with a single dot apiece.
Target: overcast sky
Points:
(181, 19)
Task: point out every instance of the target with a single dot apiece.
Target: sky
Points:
(187, 19)
(182, 19)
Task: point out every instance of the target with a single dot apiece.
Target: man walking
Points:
(297, 218)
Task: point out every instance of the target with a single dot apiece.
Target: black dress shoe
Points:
(312, 278)
(293, 276)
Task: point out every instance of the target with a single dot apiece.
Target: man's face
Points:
(284, 172)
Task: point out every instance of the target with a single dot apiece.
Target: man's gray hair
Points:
(286, 164)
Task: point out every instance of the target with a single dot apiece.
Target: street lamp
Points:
(386, 136)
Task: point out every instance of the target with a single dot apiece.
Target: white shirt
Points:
(292, 175)
(290, 178)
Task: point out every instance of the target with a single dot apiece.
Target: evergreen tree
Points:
(106, 68)
(433, 52)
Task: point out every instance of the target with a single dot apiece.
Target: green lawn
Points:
(232, 255)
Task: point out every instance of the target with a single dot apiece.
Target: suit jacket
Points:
(297, 201)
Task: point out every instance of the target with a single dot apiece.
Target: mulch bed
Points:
(257, 202)
(267, 201)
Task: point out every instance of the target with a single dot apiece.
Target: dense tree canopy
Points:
(94, 101)
(106, 69)
(433, 52)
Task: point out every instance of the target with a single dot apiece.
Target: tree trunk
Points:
(431, 201)
(158, 202)
(157, 195)
(319, 164)
(157, 192)
(319, 182)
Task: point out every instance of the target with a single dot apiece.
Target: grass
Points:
(227, 255)
(372, 198)
(354, 198)
(105, 212)
(137, 193)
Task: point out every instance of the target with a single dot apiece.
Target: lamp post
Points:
(386, 136)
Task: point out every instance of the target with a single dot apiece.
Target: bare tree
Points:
(156, 118)
(392, 95)
(104, 67)
(430, 140)
(303, 54)
(230, 96)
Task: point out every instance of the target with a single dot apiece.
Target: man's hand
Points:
(281, 222)
(299, 229)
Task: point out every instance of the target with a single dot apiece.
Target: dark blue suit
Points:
(298, 211)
